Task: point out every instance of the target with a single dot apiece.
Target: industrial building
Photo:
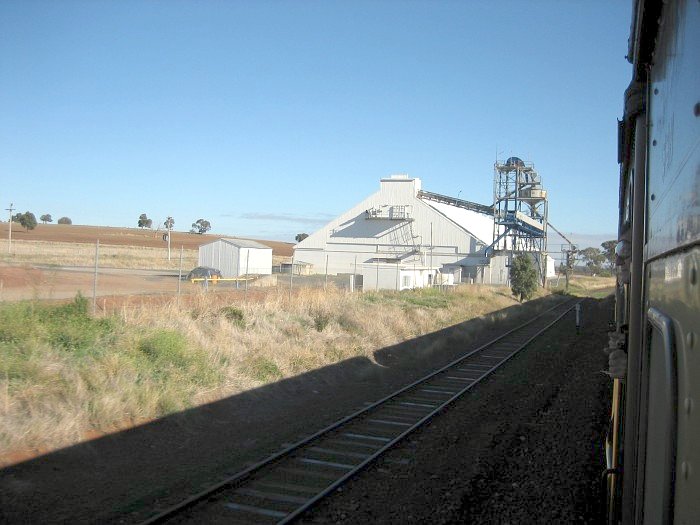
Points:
(404, 237)
(236, 257)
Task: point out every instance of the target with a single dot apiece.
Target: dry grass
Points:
(79, 254)
(65, 377)
(587, 286)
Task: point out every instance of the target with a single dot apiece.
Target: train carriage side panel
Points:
(674, 132)
(671, 350)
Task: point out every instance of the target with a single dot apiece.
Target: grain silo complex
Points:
(236, 257)
(404, 237)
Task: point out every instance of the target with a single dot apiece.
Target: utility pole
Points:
(169, 222)
(570, 260)
(9, 229)
(168, 244)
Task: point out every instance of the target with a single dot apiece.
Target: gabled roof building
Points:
(236, 257)
(409, 236)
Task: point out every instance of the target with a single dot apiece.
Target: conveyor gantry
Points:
(459, 203)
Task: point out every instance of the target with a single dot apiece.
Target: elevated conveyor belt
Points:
(467, 205)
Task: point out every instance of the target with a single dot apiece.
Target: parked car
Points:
(204, 272)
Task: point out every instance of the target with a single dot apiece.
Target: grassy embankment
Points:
(64, 374)
(587, 286)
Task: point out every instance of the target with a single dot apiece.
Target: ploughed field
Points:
(138, 237)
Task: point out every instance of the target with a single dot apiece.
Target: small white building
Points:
(236, 257)
(401, 277)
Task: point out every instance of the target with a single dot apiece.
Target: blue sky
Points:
(270, 118)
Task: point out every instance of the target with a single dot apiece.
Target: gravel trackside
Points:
(523, 447)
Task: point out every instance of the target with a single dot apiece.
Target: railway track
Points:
(282, 487)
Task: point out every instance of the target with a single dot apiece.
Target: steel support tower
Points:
(520, 212)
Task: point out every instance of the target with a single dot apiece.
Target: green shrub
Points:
(165, 347)
(233, 314)
(426, 298)
(523, 277)
(17, 322)
(263, 369)
(321, 320)
(66, 327)
(169, 360)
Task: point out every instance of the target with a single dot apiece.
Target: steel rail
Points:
(286, 452)
(420, 423)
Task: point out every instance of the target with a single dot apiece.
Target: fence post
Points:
(94, 281)
(325, 284)
(247, 261)
(354, 276)
(179, 277)
(291, 278)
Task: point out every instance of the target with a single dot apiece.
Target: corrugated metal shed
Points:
(236, 257)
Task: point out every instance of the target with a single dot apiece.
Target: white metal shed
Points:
(236, 257)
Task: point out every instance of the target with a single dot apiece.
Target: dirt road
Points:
(47, 283)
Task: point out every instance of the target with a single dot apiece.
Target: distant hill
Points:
(125, 237)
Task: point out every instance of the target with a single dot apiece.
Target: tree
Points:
(594, 258)
(144, 221)
(169, 223)
(46, 218)
(609, 253)
(65, 220)
(523, 277)
(301, 236)
(27, 220)
(200, 226)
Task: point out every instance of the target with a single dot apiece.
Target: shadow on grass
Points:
(124, 476)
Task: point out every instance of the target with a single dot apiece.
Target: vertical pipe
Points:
(325, 284)
(431, 249)
(633, 464)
